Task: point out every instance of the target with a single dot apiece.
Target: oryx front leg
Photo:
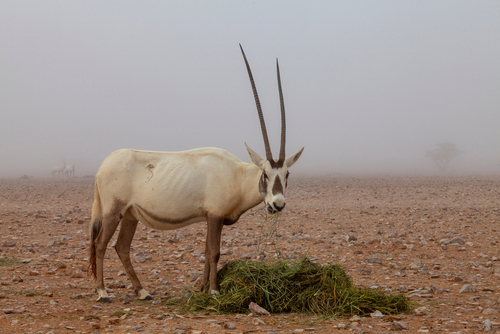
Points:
(109, 225)
(212, 253)
(122, 247)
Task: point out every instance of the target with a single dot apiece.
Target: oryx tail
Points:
(95, 230)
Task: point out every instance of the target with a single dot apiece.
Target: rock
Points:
(444, 241)
(467, 288)
(435, 289)
(457, 240)
(422, 310)
(374, 260)
(399, 245)
(398, 325)
(350, 237)
(17, 279)
(257, 310)
(393, 265)
(229, 325)
(488, 325)
(258, 321)
(377, 315)
(490, 311)
(8, 244)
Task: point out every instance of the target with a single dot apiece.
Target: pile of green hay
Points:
(294, 286)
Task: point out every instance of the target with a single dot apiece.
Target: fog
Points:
(369, 86)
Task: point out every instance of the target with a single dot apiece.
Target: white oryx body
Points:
(170, 190)
(69, 170)
(57, 170)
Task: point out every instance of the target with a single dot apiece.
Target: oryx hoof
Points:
(104, 300)
(144, 295)
(214, 292)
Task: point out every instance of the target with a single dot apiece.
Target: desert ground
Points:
(435, 239)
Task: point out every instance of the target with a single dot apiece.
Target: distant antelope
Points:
(170, 190)
(69, 170)
(57, 170)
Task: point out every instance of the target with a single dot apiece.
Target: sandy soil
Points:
(427, 237)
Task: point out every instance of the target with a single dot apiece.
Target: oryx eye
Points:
(265, 176)
(287, 174)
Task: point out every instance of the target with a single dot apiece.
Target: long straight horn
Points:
(283, 121)
(269, 155)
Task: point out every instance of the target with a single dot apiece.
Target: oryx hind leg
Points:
(109, 225)
(122, 247)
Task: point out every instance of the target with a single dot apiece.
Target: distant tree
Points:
(443, 154)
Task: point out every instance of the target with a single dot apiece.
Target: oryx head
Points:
(274, 177)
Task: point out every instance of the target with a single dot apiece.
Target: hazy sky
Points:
(369, 86)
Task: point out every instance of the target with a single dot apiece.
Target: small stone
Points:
(17, 279)
(398, 325)
(490, 311)
(257, 310)
(9, 244)
(229, 325)
(488, 325)
(377, 315)
(422, 310)
(468, 288)
(95, 325)
(350, 237)
(258, 321)
(374, 260)
(457, 240)
(444, 241)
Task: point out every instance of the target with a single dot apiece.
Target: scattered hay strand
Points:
(294, 286)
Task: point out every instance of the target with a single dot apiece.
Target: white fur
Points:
(69, 170)
(57, 170)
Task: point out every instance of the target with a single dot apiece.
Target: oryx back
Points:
(169, 190)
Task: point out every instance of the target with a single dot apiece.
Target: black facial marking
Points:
(277, 186)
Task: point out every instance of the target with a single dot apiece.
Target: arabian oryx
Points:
(170, 190)
(69, 170)
(57, 170)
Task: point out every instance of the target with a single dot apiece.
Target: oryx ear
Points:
(256, 159)
(293, 158)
